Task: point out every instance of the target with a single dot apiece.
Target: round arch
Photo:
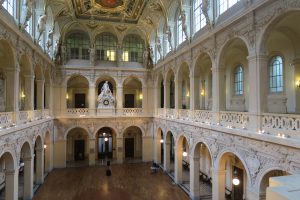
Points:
(76, 127)
(104, 126)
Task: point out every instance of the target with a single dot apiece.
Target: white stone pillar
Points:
(12, 91)
(120, 149)
(119, 97)
(39, 177)
(92, 152)
(218, 184)
(166, 94)
(218, 95)
(194, 178)
(192, 92)
(11, 184)
(178, 164)
(258, 88)
(145, 98)
(40, 94)
(92, 100)
(297, 79)
(178, 94)
(167, 150)
(29, 92)
(28, 178)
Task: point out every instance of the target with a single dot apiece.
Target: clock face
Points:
(105, 102)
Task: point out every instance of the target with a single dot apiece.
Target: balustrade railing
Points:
(6, 119)
(202, 116)
(280, 123)
(171, 113)
(185, 114)
(77, 112)
(130, 112)
(234, 119)
(24, 116)
(37, 114)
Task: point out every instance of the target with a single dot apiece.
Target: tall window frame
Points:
(106, 47)
(224, 5)
(133, 48)
(78, 45)
(199, 18)
(239, 80)
(9, 6)
(180, 33)
(276, 84)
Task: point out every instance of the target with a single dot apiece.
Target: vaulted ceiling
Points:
(121, 15)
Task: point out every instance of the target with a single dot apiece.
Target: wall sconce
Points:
(45, 146)
(161, 141)
(106, 139)
(141, 96)
(23, 95)
(202, 93)
(67, 96)
(298, 84)
(187, 94)
(235, 180)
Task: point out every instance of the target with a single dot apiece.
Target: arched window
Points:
(133, 48)
(9, 6)
(226, 4)
(78, 45)
(180, 34)
(106, 45)
(199, 18)
(276, 74)
(239, 80)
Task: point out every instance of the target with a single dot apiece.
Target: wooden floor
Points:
(128, 181)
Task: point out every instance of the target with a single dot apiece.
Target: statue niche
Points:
(105, 98)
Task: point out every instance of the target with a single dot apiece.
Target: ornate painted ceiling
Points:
(121, 15)
(127, 11)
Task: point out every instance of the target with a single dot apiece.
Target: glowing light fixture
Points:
(106, 139)
(187, 94)
(202, 93)
(67, 96)
(23, 95)
(184, 154)
(235, 180)
(45, 146)
(141, 96)
(298, 84)
(161, 141)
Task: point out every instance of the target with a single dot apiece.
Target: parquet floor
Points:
(128, 181)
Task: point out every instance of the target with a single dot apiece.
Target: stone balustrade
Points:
(6, 119)
(279, 125)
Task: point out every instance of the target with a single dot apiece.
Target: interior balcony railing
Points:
(105, 112)
(11, 119)
(278, 125)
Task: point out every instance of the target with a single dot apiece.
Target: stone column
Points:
(39, 176)
(218, 81)
(178, 94)
(63, 99)
(178, 164)
(157, 145)
(119, 96)
(11, 183)
(258, 88)
(29, 92)
(40, 94)
(192, 92)
(297, 79)
(12, 91)
(92, 152)
(120, 149)
(144, 100)
(47, 96)
(194, 178)
(167, 150)
(92, 100)
(166, 94)
(218, 184)
(28, 178)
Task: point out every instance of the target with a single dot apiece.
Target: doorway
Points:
(79, 150)
(129, 147)
(129, 100)
(80, 100)
(238, 189)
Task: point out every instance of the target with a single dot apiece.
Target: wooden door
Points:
(79, 150)
(129, 147)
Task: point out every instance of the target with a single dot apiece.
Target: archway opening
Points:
(7, 176)
(182, 162)
(25, 78)
(169, 153)
(265, 181)
(106, 144)
(232, 177)
(77, 147)
(38, 168)
(170, 90)
(133, 143)
(159, 143)
(203, 83)
(25, 173)
(184, 87)
(47, 153)
(77, 92)
(133, 95)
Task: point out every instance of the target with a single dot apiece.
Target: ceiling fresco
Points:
(126, 11)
